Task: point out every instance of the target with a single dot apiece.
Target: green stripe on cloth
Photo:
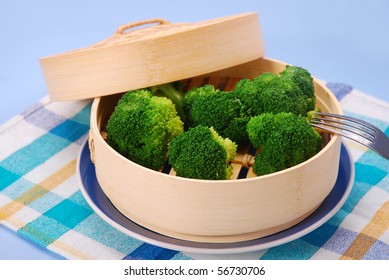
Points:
(43, 230)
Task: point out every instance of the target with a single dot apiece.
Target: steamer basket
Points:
(139, 55)
(216, 211)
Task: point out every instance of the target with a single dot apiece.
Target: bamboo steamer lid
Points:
(139, 55)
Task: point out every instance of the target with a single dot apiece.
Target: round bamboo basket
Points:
(243, 208)
(151, 52)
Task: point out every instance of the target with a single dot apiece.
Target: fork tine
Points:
(350, 124)
(362, 123)
(367, 131)
(346, 126)
(360, 131)
(341, 131)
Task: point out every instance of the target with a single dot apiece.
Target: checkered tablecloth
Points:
(40, 197)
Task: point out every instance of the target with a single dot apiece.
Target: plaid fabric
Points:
(40, 197)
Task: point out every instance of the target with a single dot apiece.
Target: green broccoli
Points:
(236, 131)
(229, 112)
(291, 92)
(147, 122)
(200, 153)
(218, 109)
(170, 91)
(285, 140)
(250, 93)
(301, 78)
(141, 127)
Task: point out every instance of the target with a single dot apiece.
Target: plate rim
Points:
(202, 250)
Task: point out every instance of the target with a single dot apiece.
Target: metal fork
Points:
(358, 130)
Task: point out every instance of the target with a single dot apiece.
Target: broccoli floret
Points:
(300, 77)
(218, 109)
(191, 99)
(170, 91)
(312, 114)
(250, 93)
(291, 92)
(200, 153)
(142, 126)
(236, 131)
(285, 140)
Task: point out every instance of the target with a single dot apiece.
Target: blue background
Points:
(339, 41)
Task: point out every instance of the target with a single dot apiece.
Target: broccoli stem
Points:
(169, 91)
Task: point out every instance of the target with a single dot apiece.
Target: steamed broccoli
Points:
(291, 91)
(301, 78)
(142, 126)
(236, 131)
(269, 111)
(200, 153)
(218, 109)
(229, 112)
(170, 91)
(250, 92)
(285, 140)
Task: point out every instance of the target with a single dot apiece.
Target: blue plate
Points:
(96, 198)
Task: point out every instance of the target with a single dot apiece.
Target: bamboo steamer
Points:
(139, 55)
(216, 211)
(220, 52)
